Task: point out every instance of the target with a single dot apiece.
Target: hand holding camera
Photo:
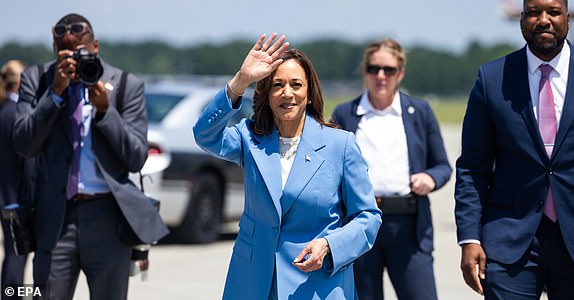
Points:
(86, 67)
(81, 65)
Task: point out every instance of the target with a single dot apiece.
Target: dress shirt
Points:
(383, 142)
(558, 79)
(91, 180)
(13, 97)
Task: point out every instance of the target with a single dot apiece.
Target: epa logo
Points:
(23, 291)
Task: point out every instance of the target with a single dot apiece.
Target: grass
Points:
(448, 110)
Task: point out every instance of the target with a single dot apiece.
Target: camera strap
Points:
(41, 84)
(120, 108)
(122, 91)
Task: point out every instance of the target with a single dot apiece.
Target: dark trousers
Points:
(397, 250)
(13, 265)
(546, 263)
(89, 242)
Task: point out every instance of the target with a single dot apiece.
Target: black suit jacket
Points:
(119, 144)
(425, 147)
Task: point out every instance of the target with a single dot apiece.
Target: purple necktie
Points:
(76, 104)
(547, 127)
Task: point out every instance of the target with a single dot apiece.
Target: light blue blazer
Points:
(328, 194)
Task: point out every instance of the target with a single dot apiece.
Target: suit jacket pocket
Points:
(246, 226)
(243, 249)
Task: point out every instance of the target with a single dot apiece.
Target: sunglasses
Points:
(374, 70)
(60, 30)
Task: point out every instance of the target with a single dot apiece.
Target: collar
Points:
(366, 107)
(559, 63)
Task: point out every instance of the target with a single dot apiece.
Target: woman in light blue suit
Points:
(309, 205)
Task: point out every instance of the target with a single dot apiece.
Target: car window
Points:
(159, 105)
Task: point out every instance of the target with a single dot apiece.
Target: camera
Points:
(89, 68)
(21, 226)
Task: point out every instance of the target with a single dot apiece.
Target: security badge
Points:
(109, 86)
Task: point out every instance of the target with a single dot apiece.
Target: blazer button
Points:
(539, 206)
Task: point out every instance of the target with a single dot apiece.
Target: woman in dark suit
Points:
(309, 207)
(401, 141)
(12, 167)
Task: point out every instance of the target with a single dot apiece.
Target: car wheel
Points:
(203, 217)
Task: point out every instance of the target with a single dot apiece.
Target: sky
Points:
(443, 24)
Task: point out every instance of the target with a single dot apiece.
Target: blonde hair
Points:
(389, 45)
(10, 77)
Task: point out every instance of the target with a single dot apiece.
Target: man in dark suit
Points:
(515, 175)
(400, 139)
(87, 137)
(15, 177)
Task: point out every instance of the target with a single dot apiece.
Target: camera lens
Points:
(89, 68)
(90, 71)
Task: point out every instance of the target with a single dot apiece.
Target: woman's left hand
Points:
(311, 257)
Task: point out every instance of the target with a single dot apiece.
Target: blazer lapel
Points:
(568, 109)
(306, 162)
(515, 87)
(265, 152)
(409, 114)
(353, 119)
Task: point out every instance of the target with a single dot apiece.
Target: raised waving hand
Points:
(259, 63)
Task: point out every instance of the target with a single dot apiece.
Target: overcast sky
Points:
(445, 24)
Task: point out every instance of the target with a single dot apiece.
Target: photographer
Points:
(88, 133)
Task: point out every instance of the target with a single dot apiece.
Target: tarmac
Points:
(197, 272)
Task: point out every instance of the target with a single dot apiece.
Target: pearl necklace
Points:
(288, 146)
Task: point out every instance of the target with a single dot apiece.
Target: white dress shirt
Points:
(383, 142)
(13, 97)
(558, 79)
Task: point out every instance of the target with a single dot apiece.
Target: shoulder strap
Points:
(120, 108)
(41, 84)
(141, 182)
(122, 91)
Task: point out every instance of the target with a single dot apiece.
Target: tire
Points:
(203, 217)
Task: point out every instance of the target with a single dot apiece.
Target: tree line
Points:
(429, 70)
